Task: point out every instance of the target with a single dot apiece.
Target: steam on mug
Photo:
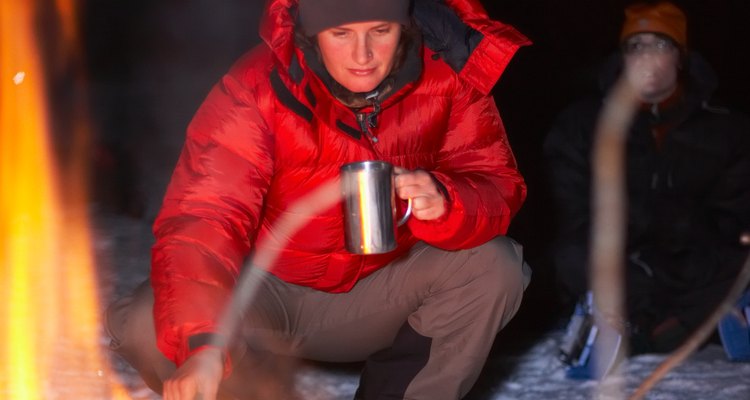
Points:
(370, 220)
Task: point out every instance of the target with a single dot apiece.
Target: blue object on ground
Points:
(588, 342)
(734, 330)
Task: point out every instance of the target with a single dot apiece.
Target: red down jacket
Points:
(270, 131)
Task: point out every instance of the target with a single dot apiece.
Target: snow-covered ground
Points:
(523, 365)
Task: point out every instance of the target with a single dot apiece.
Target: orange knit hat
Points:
(664, 18)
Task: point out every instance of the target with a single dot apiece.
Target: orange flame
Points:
(50, 342)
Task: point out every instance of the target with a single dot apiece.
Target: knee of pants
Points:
(130, 324)
(130, 317)
(502, 270)
(481, 285)
(500, 276)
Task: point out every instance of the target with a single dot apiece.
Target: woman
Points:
(339, 81)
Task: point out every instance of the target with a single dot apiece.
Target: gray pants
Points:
(424, 324)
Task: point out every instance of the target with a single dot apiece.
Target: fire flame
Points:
(50, 346)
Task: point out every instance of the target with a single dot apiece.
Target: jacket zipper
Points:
(368, 121)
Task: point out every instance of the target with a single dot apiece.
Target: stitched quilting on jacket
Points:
(270, 132)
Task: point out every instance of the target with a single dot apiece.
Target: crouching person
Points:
(339, 82)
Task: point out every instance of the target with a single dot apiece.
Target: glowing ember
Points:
(49, 341)
(18, 79)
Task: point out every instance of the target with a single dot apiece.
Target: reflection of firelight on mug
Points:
(370, 207)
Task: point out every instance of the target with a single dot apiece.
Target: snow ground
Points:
(523, 365)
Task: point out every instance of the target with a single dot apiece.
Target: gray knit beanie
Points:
(318, 15)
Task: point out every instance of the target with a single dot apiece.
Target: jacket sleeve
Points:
(478, 170)
(712, 245)
(567, 153)
(209, 217)
(730, 198)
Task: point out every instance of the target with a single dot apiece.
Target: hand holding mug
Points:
(428, 202)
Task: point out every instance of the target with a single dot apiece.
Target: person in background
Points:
(339, 81)
(687, 178)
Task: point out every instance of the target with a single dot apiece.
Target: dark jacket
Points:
(687, 202)
(271, 132)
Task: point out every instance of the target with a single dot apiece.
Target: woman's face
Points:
(651, 66)
(360, 55)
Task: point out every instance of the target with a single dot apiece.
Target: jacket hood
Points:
(474, 46)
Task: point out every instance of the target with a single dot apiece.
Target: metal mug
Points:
(370, 207)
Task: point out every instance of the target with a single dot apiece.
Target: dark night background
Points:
(151, 63)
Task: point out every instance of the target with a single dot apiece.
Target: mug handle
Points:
(407, 214)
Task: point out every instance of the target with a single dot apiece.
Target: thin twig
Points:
(700, 335)
(322, 198)
(608, 222)
(276, 383)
